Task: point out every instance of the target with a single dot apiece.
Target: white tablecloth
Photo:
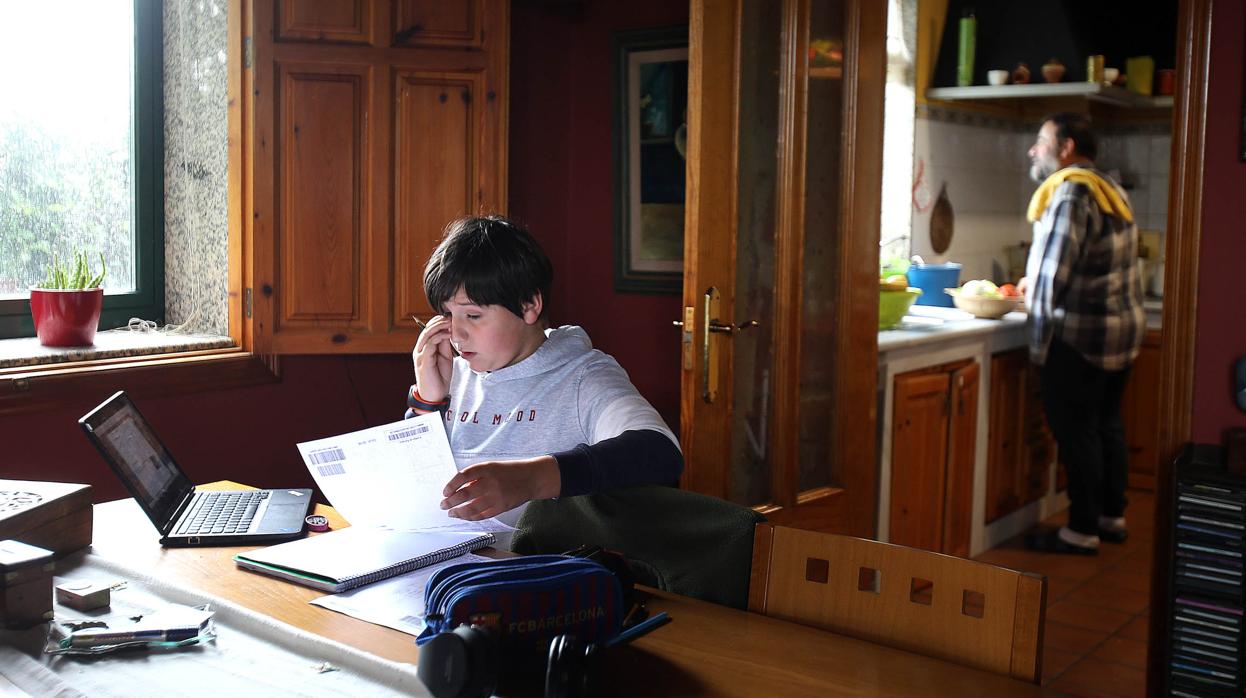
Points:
(252, 654)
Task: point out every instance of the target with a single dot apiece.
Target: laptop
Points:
(183, 516)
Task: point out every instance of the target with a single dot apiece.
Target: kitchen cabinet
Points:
(361, 129)
(1020, 447)
(933, 450)
(1139, 414)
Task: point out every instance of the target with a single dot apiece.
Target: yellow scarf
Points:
(1109, 199)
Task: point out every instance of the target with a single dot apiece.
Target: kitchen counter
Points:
(927, 338)
(927, 324)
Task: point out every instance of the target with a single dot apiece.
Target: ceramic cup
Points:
(997, 77)
(1110, 75)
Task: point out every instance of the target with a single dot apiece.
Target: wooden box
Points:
(25, 584)
(52, 515)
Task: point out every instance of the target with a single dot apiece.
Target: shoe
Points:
(1108, 535)
(1051, 542)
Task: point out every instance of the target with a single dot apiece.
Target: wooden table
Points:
(706, 650)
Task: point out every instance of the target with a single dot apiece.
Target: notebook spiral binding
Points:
(414, 563)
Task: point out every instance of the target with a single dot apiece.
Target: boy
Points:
(532, 413)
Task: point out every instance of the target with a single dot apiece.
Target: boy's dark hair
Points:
(1077, 128)
(494, 260)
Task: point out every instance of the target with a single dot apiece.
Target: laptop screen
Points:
(132, 449)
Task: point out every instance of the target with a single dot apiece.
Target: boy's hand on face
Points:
(486, 489)
(434, 359)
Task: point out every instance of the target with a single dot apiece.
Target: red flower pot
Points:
(66, 318)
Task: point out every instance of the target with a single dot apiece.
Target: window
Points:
(898, 193)
(81, 143)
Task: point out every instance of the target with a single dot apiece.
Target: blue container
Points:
(932, 279)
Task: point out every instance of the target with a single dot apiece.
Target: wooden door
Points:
(921, 416)
(784, 177)
(365, 126)
(962, 450)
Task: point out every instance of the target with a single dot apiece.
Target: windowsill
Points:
(34, 378)
(111, 344)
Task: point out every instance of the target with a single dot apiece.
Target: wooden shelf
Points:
(833, 72)
(1108, 94)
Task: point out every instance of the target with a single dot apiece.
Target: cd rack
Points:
(1207, 608)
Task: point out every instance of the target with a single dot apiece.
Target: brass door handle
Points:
(709, 357)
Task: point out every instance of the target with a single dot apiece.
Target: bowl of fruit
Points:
(985, 300)
(895, 297)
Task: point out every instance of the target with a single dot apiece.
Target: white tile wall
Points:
(986, 170)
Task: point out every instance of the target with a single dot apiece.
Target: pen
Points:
(95, 637)
(423, 326)
(639, 629)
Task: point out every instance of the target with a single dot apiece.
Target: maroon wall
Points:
(1221, 333)
(561, 186)
(245, 434)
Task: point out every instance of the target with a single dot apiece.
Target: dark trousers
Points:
(1083, 406)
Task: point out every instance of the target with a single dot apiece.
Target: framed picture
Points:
(649, 133)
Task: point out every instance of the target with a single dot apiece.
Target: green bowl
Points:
(892, 305)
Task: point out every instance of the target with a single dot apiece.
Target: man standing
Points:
(1083, 290)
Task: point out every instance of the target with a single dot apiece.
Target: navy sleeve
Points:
(635, 457)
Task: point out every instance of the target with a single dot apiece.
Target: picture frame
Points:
(649, 134)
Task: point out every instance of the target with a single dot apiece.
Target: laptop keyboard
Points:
(221, 512)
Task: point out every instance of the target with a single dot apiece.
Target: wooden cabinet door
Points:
(961, 455)
(1020, 446)
(1038, 448)
(1005, 439)
(341, 21)
(355, 149)
(919, 440)
(1140, 415)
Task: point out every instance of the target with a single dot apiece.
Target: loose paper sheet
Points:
(397, 602)
(390, 476)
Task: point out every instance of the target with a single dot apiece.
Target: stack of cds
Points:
(1207, 644)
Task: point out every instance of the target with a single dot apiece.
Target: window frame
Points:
(147, 299)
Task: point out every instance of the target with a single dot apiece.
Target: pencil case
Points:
(526, 601)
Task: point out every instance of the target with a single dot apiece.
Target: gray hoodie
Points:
(565, 394)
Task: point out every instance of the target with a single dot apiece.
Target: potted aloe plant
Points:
(66, 306)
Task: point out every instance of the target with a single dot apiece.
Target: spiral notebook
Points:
(355, 556)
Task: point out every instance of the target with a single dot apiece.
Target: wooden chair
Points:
(964, 611)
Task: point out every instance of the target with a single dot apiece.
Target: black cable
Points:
(363, 415)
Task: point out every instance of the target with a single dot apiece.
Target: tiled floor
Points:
(1097, 608)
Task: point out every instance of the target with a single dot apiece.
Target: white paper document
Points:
(390, 476)
(397, 602)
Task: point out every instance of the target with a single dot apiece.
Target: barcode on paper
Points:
(408, 433)
(330, 469)
(328, 455)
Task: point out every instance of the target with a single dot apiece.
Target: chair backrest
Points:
(678, 541)
(964, 611)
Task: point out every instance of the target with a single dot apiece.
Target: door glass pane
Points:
(824, 131)
(755, 247)
(66, 165)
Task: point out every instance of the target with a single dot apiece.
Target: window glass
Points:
(66, 140)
